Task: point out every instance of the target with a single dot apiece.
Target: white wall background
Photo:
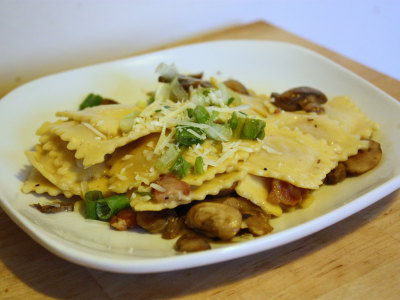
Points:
(39, 37)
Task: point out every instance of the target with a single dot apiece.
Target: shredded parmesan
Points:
(94, 130)
(158, 187)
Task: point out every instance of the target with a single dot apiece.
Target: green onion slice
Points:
(167, 159)
(91, 100)
(107, 207)
(181, 167)
(126, 122)
(189, 135)
(253, 129)
(198, 166)
(201, 114)
(91, 199)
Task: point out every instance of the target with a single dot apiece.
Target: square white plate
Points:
(262, 66)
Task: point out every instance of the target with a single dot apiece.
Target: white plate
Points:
(260, 65)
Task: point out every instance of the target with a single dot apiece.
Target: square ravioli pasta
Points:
(201, 160)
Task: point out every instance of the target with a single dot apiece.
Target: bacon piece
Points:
(124, 219)
(174, 189)
(285, 193)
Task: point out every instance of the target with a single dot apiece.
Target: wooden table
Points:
(358, 258)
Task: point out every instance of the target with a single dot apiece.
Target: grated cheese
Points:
(158, 187)
(94, 130)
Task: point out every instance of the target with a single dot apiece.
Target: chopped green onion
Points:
(252, 129)
(233, 121)
(167, 159)
(206, 92)
(181, 167)
(107, 207)
(91, 198)
(214, 115)
(144, 194)
(126, 122)
(201, 114)
(230, 100)
(151, 99)
(189, 135)
(239, 126)
(178, 90)
(198, 166)
(219, 132)
(163, 92)
(168, 72)
(91, 100)
(190, 112)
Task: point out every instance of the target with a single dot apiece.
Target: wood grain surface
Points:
(357, 258)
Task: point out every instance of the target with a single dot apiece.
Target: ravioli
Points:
(350, 117)
(88, 145)
(292, 156)
(255, 189)
(219, 160)
(105, 118)
(211, 187)
(133, 164)
(36, 182)
(322, 127)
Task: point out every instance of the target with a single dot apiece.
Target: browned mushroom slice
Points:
(191, 242)
(214, 220)
(174, 228)
(154, 221)
(254, 217)
(300, 98)
(187, 81)
(236, 86)
(53, 208)
(364, 160)
(337, 175)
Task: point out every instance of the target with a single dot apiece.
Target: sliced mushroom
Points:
(214, 220)
(174, 228)
(256, 220)
(337, 175)
(236, 86)
(191, 242)
(364, 160)
(154, 221)
(187, 81)
(55, 207)
(300, 98)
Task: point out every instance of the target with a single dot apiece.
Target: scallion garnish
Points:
(189, 135)
(253, 129)
(201, 114)
(233, 121)
(190, 112)
(198, 166)
(181, 167)
(167, 159)
(91, 199)
(126, 122)
(230, 100)
(91, 100)
(107, 207)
